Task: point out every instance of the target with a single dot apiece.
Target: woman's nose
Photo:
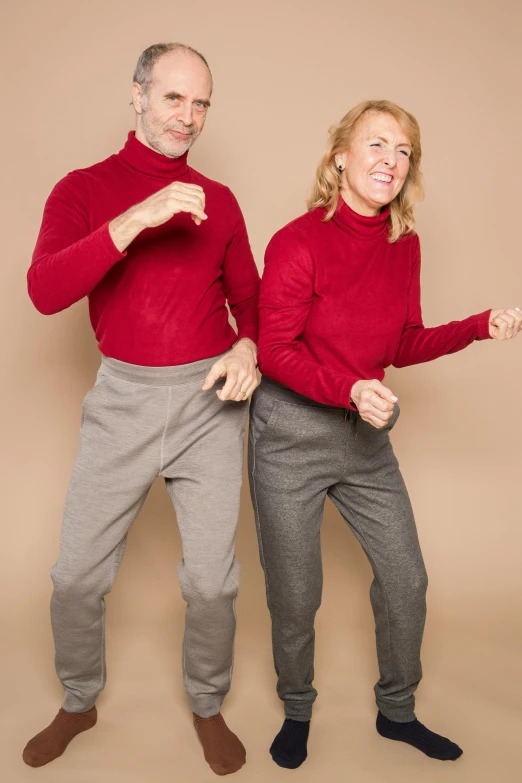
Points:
(390, 158)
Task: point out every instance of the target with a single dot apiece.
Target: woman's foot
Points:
(223, 751)
(415, 733)
(289, 747)
(52, 741)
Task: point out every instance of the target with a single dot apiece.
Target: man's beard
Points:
(155, 138)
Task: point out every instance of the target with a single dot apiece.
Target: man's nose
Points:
(186, 115)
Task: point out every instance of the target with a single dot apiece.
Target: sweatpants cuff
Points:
(399, 713)
(74, 704)
(303, 716)
(207, 706)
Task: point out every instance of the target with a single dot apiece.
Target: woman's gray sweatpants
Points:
(300, 452)
(139, 423)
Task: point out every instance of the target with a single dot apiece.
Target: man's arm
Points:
(70, 260)
(241, 288)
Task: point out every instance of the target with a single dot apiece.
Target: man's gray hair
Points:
(148, 58)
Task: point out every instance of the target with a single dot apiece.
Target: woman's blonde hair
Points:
(327, 185)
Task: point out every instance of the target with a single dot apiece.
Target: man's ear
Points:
(139, 99)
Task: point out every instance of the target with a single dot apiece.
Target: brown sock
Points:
(224, 752)
(52, 741)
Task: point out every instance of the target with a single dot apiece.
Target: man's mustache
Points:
(191, 129)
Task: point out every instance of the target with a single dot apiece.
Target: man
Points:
(159, 249)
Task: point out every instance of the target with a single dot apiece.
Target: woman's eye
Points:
(405, 152)
(375, 144)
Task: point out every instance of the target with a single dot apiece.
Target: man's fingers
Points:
(216, 371)
(246, 391)
(189, 205)
(231, 387)
(186, 187)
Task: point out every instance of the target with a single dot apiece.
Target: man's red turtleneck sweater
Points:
(339, 303)
(163, 300)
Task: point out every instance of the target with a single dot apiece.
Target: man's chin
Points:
(177, 147)
(173, 148)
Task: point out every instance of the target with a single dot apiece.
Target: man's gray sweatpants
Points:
(299, 453)
(139, 423)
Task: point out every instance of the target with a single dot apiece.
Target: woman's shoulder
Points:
(301, 229)
(409, 245)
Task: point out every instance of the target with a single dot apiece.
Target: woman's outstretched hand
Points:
(374, 402)
(505, 324)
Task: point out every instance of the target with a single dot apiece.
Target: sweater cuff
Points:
(248, 327)
(351, 405)
(108, 245)
(482, 323)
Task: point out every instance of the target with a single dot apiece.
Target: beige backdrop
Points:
(284, 71)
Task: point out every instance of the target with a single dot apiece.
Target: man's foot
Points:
(52, 741)
(414, 733)
(223, 751)
(289, 747)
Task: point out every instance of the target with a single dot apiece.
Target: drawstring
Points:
(349, 415)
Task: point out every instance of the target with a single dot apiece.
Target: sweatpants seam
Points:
(193, 381)
(372, 561)
(165, 427)
(326, 409)
(256, 504)
(113, 577)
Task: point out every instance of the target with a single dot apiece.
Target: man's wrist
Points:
(246, 342)
(125, 228)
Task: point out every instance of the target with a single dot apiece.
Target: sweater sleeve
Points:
(287, 291)
(241, 278)
(420, 344)
(69, 259)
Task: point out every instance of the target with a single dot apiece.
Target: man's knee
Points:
(75, 584)
(210, 586)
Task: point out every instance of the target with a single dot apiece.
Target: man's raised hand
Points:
(156, 210)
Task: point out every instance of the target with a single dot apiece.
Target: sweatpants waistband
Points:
(281, 392)
(172, 375)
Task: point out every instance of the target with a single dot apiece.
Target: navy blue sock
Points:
(414, 733)
(289, 747)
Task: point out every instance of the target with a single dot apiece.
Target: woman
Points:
(340, 302)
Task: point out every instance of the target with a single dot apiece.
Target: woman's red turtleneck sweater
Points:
(340, 303)
(163, 300)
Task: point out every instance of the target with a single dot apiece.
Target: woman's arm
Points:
(287, 290)
(420, 344)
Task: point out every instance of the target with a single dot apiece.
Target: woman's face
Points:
(376, 164)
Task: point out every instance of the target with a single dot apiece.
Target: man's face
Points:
(172, 112)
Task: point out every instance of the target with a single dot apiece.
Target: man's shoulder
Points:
(97, 170)
(78, 180)
(211, 185)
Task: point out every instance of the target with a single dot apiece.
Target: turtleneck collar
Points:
(361, 226)
(148, 161)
